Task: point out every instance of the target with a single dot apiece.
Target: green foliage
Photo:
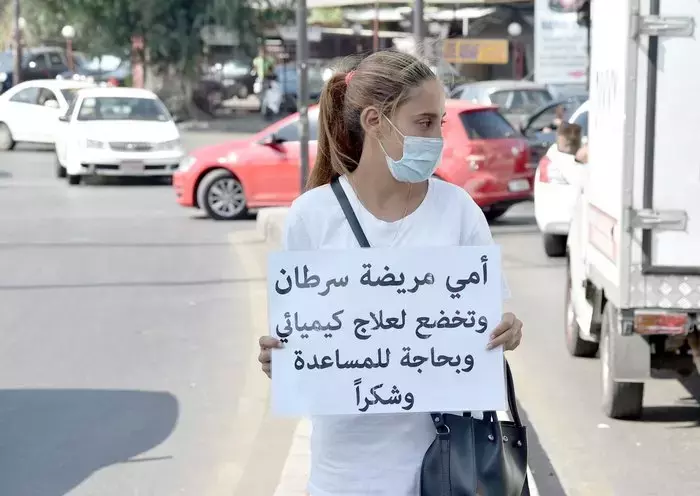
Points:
(171, 28)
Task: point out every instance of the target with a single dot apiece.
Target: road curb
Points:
(295, 474)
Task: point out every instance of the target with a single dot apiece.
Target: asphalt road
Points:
(127, 335)
(125, 339)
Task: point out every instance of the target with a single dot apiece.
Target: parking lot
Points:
(128, 328)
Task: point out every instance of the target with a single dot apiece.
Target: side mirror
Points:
(272, 141)
(51, 104)
(64, 118)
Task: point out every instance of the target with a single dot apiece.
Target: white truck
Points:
(634, 243)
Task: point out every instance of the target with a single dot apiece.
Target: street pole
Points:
(303, 90)
(418, 32)
(17, 71)
(375, 36)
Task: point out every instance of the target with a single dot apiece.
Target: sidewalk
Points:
(270, 225)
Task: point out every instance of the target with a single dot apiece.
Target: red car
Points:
(483, 154)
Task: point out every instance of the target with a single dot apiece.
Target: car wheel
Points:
(74, 179)
(577, 347)
(555, 245)
(7, 142)
(621, 400)
(221, 195)
(60, 170)
(214, 100)
(495, 212)
(242, 92)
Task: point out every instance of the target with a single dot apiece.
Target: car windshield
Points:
(546, 117)
(104, 63)
(122, 108)
(486, 124)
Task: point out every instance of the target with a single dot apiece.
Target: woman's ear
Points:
(371, 121)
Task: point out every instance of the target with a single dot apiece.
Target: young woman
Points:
(380, 132)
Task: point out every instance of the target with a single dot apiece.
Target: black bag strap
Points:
(439, 422)
(364, 243)
(512, 400)
(349, 213)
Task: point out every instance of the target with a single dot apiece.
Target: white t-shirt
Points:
(378, 454)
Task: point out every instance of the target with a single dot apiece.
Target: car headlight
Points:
(168, 145)
(94, 144)
(230, 158)
(187, 163)
(3, 77)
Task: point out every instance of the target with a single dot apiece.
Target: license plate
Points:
(518, 185)
(132, 167)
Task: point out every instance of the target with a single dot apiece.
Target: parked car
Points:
(102, 69)
(537, 127)
(237, 78)
(287, 78)
(116, 132)
(514, 98)
(483, 154)
(29, 111)
(37, 63)
(557, 182)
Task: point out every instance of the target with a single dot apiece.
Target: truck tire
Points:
(60, 170)
(621, 400)
(555, 245)
(577, 346)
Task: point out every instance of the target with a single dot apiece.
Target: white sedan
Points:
(557, 184)
(29, 111)
(117, 132)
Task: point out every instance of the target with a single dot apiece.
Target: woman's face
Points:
(421, 115)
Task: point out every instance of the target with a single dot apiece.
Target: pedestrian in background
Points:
(380, 136)
(264, 67)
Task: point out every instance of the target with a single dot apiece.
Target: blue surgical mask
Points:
(421, 156)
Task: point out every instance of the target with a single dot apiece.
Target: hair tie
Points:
(348, 77)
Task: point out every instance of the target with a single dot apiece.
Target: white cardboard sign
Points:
(386, 331)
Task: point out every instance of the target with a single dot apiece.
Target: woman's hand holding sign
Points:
(267, 344)
(509, 333)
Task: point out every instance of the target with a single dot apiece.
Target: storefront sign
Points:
(472, 51)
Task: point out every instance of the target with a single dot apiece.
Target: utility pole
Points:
(418, 32)
(303, 90)
(17, 71)
(375, 36)
(584, 19)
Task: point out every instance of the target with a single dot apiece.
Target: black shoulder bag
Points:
(469, 456)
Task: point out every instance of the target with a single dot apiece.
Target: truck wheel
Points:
(555, 245)
(74, 179)
(577, 347)
(621, 400)
(60, 170)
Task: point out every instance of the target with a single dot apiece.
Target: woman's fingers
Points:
(269, 342)
(265, 356)
(508, 333)
(503, 326)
